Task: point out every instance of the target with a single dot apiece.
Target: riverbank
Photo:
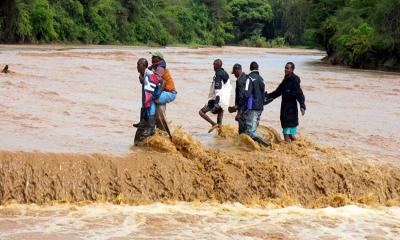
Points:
(66, 47)
(389, 65)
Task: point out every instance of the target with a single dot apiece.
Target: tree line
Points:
(359, 33)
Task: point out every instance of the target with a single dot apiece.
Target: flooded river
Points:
(196, 221)
(83, 100)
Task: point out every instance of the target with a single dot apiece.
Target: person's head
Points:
(142, 64)
(156, 57)
(237, 70)
(217, 64)
(289, 68)
(253, 66)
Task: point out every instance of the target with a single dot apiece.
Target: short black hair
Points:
(237, 66)
(253, 66)
(153, 58)
(218, 61)
(143, 61)
(292, 64)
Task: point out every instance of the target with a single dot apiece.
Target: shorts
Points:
(210, 107)
(290, 131)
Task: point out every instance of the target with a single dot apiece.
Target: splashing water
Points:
(196, 221)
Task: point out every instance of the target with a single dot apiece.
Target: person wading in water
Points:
(291, 93)
(149, 81)
(218, 97)
(240, 97)
(255, 95)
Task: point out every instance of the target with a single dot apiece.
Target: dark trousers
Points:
(242, 122)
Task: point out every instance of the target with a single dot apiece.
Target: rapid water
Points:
(84, 100)
(196, 221)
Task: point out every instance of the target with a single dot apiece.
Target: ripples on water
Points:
(85, 99)
(196, 221)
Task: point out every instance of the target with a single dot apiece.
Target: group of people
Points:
(158, 89)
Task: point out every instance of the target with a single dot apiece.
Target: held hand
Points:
(303, 111)
(232, 109)
(237, 117)
(268, 101)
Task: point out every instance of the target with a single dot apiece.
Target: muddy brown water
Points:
(66, 137)
(84, 100)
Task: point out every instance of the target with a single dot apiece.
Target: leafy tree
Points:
(24, 29)
(289, 20)
(181, 23)
(217, 8)
(8, 19)
(42, 21)
(322, 10)
(249, 16)
(355, 46)
(387, 20)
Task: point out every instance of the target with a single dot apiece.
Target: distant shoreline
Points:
(65, 47)
(387, 67)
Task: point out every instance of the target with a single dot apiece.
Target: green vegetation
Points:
(359, 33)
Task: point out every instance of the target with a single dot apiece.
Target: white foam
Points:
(198, 220)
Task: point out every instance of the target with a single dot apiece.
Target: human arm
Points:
(266, 99)
(237, 117)
(275, 94)
(298, 92)
(232, 109)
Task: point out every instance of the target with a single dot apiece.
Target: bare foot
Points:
(213, 128)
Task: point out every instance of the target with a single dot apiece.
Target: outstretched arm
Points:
(275, 94)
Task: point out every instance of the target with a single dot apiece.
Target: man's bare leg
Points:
(160, 114)
(292, 137)
(287, 138)
(206, 117)
(220, 116)
(219, 121)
